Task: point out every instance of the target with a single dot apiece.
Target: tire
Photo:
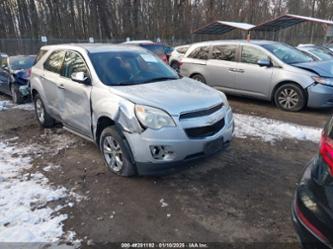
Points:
(16, 95)
(115, 152)
(199, 77)
(290, 97)
(43, 118)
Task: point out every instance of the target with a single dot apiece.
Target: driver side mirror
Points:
(265, 63)
(81, 77)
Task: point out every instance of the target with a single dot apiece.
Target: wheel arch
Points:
(277, 86)
(104, 122)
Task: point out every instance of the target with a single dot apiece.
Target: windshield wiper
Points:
(128, 83)
(160, 79)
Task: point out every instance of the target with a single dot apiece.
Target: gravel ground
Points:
(242, 195)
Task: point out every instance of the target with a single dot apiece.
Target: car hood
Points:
(322, 68)
(173, 96)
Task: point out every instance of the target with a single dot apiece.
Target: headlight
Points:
(153, 118)
(322, 80)
(225, 100)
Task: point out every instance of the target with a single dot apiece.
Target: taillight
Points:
(326, 151)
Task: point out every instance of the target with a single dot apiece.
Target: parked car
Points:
(329, 46)
(312, 209)
(265, 70)
(156, 48)
(14, 76)
(318, 53)
(143, 116)
(177, 55)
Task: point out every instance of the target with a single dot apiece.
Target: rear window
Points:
(201, 53)
(155, 48)
(224, 52)
(21, 62)
(55, 61)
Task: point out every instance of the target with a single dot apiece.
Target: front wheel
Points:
(199, 77)
(290, 97)
(115, 153)
(44, 119)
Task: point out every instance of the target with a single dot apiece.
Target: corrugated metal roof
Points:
(221, 27)
(287, 21)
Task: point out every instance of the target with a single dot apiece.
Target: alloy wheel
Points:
(288, 98)
(40, 111)
(113, 154)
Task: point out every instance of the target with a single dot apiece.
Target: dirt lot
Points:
(241, 195)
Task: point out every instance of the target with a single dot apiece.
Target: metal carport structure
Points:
(274, 25)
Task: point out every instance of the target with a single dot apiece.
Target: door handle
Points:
(232, 69)
(61, 86)
(240, 70)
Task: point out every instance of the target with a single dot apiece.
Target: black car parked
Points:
(312, 209)
(15, 72)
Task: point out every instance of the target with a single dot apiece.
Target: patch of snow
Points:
(51, 167)
(8, 104)
(270, 130)
(163, 203)
(4, 104)
(25, 215)
(25, 107)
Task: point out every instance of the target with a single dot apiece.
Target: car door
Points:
(222, 66)
(52, 83)
(76, 112)
(252, 79)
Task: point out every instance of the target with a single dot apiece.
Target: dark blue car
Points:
(15, 72)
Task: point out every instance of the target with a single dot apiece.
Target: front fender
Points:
(119, 110)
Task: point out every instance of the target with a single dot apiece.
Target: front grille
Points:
(205, 131)
(201, 113)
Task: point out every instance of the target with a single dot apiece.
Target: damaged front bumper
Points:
(159, 150)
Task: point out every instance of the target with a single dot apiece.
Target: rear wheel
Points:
(115, 152)
(16, 95)
(199, 77)
(44, 119)
(290, 97)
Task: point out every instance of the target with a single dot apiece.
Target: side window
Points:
(182, 50)
(251, 55)
(73, 63)
(224, 52)
(40, 55)
(55, 61)
(201, 53)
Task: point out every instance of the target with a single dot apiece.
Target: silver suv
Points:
(144, 117)
(266, 70)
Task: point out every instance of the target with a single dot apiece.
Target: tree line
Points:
(147, 19)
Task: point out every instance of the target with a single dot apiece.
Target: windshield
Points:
(287, 54)
(323, 53)
(21, 62)
(155, 48)
(130, 68)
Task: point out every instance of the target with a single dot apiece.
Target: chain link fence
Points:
(13, 46)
